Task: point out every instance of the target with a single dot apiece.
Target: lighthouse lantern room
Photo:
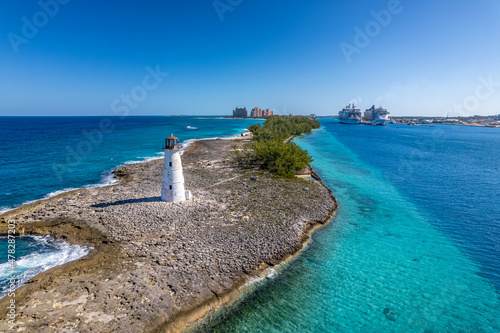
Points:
(172, 184)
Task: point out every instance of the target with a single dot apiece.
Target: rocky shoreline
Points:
(155, 266)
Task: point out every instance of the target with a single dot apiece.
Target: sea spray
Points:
(36, 254)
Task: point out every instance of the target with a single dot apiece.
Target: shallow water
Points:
(412, 247)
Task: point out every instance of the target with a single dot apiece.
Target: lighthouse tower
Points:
(172, 183)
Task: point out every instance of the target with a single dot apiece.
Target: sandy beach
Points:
(156, 266)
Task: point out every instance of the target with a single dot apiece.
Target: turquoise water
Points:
(397, 257)
(43, 156)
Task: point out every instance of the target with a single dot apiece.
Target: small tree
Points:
(270, 150)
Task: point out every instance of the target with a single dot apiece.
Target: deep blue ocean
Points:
(414, 246)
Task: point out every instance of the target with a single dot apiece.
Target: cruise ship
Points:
(376, 116)
(350, 115)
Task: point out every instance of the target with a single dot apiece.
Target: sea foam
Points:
(46, 252)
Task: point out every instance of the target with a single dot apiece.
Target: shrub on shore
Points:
(282, 127)
(269, 149)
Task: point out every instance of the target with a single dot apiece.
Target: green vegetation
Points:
(269, 149)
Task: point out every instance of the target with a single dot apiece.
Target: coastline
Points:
(110, 178)
(193, 316)
(106, 247)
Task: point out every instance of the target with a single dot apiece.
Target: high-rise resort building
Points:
(172, 183)
(240, 112)
(256, 112)
(267, 113)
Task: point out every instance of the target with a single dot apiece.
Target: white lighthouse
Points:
(172, 183)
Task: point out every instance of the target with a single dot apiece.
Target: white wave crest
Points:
(143, 160)
(268, 274)
(51, 253)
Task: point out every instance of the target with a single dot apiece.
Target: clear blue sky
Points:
(285, 55)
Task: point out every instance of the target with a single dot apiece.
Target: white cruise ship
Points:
(376, 116)
(350, 115)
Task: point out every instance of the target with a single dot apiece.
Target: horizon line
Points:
(229, 116)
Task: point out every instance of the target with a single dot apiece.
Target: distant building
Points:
(240, 112)
(267, 113)
(256, 112)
